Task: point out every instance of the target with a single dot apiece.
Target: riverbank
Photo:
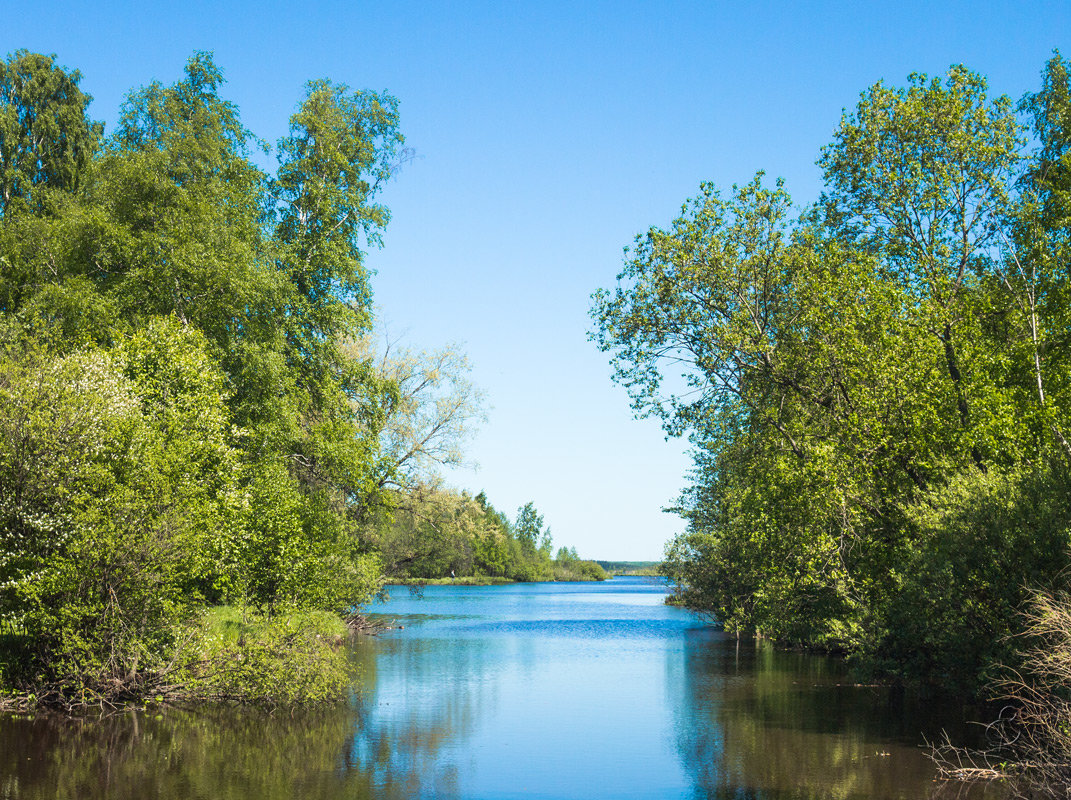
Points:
(481, 580)
(464, 580)
(643, 569)
(225, 655)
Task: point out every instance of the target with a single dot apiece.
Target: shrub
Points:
(291, 659)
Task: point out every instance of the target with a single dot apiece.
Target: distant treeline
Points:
(445, 534)
(630, 567)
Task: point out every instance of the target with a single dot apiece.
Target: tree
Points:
(1037, 247)
(707, 299)
(528, 527)
(840, 372)
(920, 176)
(341, 149)
(46, 139)
(432, 411)
(208, 303)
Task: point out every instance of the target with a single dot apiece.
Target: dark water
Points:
(535, 691)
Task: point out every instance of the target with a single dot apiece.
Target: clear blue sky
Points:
(549, 134)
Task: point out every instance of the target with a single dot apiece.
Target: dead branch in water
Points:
(360, 624)
(1032, 735)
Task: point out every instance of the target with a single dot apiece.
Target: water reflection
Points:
(755, 722)
(419, 705)
(548, 691)
(220, 754)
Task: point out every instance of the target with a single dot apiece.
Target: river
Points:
(531, 690)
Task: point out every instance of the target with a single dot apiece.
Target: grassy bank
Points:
(491, 580)
(223, 655)
(464, 580)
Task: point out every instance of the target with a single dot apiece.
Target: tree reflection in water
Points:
(239, 753)
(425, 706)
(210, 753)
(755, 722)
(559, 691)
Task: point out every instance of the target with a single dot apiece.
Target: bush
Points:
(124, 511)
(291, 659)
(980, 544)
(1031, 741)
(103, 519)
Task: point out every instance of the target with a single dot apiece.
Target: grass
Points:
(228, 624)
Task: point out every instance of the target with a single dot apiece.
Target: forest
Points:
(210, 458)
(876, 386)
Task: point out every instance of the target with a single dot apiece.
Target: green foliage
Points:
(434, 534)
(575, 569)
(981, 547)
(182, 424)
(46, 139)
(649, 569)
(282, 661)
(877, 391)
(341, 149)
(105, 525)
(429, 410)
(528, 529)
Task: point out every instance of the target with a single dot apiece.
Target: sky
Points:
(547, 135)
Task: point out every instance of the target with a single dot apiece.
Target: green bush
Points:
(290, 659)
(104, 514)
(982, 545)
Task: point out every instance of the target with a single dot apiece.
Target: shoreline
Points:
(477, 580)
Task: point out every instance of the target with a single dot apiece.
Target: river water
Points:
(534, 691)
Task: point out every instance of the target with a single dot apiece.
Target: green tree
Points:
(222, 437)
(920, 176)
(46, 139)
(528, 528)
(430, 409)
(837, 372)
(1037, 247)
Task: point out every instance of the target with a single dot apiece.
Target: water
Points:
(534, 691)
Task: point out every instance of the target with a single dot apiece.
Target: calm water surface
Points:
(535, 691)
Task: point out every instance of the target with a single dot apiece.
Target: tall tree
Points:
(1038, 248)
(528, 528)
(844, 375)
(46, 137)
(920, 176)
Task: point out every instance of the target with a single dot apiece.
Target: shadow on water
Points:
(756, 723)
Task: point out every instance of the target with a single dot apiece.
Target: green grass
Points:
(228, 624)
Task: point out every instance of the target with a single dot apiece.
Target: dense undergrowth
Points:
(222, 655)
